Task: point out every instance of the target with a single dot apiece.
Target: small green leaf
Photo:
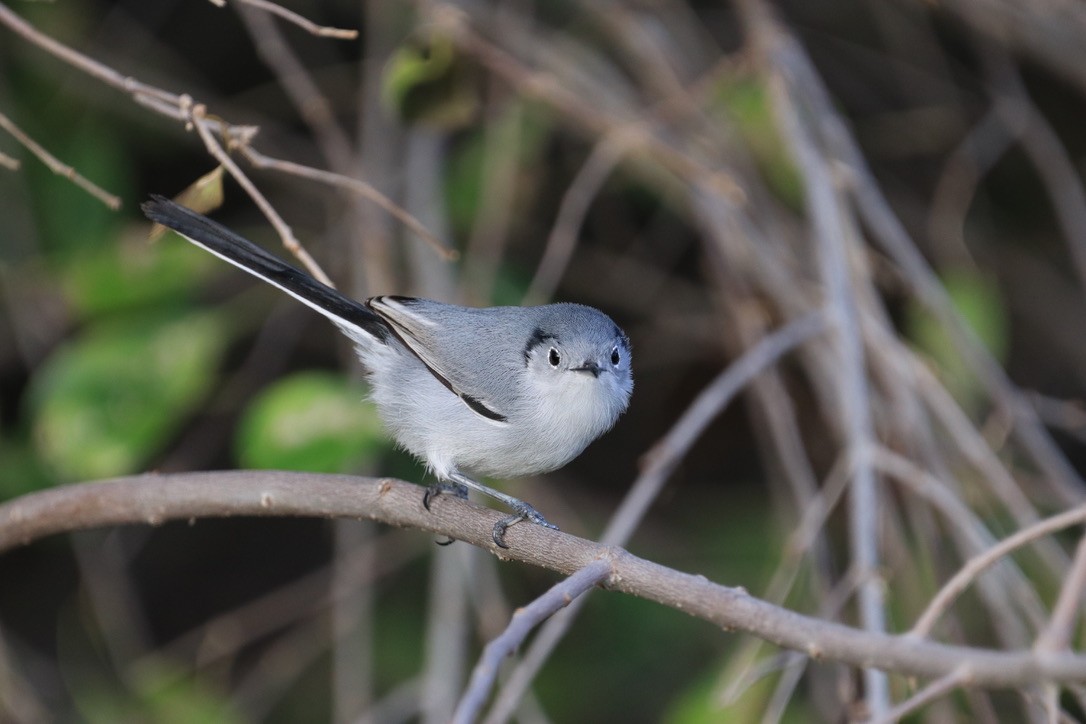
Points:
(310, 421)
(429, 82)
(204, 195)
(104, 403)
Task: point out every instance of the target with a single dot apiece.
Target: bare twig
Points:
(11, 164)
(356, 186)
(1045, 151)
(305, 24)
(154, 499)
(78, 60)
(546, 88)
(300, 88)
(226, 633)
(972, 538)
(665, 455)
(352, 619)
(18, 698)
(1061, 627)
(1051, 31)
(524, 620)
(199, 114)
(978, 564)
(111, 597)
(500, 168)
(55, 165)
(447, 635)
(940, 687)
(575, 204)
(978, 152)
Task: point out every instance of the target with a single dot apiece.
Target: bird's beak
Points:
(590, 367)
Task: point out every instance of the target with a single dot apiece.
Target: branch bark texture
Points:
(156, 498)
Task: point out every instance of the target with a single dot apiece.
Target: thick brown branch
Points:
(154, 499)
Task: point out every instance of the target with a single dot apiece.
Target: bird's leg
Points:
(437, 489)
(521, 510)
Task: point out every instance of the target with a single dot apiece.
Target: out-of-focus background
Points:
(646, 158)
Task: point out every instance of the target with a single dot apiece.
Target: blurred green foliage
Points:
(156, 693)
(428, 81)
(977, 298)
(154, 690)
(104, 402)
(519, 129)
(746, 100)
(130, 273)
(310, 421)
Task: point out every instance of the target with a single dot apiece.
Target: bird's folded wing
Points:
(416, 332)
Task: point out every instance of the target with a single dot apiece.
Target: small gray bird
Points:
(498, 391)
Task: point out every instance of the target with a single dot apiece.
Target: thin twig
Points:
(353, 619)
(975, 450)
(1061, 626)
(228, 632)
(974, 157)
(56, 166)
(940, 687)
(199, 113)
(1045, 151)
(11, 164)
(973, 538)
(303, 92)
(1050, 31)
(19, 700)
(806, 532)
(978, 564)
(305, 24)
(740, 673)
(78, 60)
(448, 632)
(500, 168)
(524, 620)
(571, 213)
(548, 89)
(356, 186)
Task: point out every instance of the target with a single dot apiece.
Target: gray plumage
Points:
(499, 391)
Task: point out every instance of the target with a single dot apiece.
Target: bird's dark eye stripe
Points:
(535, 339)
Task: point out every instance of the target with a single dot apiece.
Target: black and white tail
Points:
(242, 253)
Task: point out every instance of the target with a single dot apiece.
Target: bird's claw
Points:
(524, 512)
(437, 489)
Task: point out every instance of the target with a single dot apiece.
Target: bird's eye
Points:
(615, 356)
(554, 358)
